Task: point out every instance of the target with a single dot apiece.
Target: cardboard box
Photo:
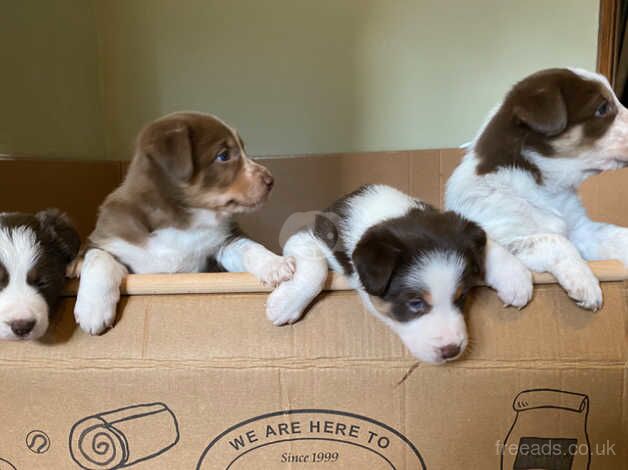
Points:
(193, 376)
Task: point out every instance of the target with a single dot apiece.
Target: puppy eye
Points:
(223, 156)
(417, 305)
(603, 109)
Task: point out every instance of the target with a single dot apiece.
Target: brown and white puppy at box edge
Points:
(411, 264)
(174, 213)
(520, 176)
(35, 250)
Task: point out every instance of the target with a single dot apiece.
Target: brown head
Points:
(205, 160)
(556, 120)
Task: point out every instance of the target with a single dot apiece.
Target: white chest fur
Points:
(171, 250)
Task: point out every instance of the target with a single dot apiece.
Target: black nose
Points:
(22, 327)
(450, 351)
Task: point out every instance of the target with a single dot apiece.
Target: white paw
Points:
(279, 269)
(284, 305)
(94, 316)
(514, 285)
(585, 290)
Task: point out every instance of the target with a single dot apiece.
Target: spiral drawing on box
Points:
(124, 437)
(550, 432)
(37, 442)
(6, 465)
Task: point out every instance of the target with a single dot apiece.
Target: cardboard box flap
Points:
(217, 320)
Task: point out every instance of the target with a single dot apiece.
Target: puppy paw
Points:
(277, 270)
(585, 291)
(73, 270)
(284, 305)
(94, 317)
(514, 285)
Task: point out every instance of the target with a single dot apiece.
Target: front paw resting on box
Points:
(508, 276)
(286, 304)
(99, 291)
(514, 286)
(582, 286)
(275, 270)
(95, 315)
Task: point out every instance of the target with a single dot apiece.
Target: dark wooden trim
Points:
(607, 38)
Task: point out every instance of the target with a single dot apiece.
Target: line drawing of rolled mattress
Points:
(123, 437)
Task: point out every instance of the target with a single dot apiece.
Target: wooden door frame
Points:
(607, 38)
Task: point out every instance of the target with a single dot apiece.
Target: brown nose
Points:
(269, 181)
(450, 351)
(22, 327)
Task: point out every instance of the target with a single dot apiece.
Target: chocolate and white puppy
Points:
(411, 264)
(35, 251)
(174, 213)
(520, 177)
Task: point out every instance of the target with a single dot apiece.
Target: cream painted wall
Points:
(295, 76)
(50, 103)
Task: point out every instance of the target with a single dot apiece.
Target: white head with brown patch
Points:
(415, 272)
(561, 125)
(206, 160)
(35, 250)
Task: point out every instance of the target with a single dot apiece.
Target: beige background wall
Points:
(296, 76)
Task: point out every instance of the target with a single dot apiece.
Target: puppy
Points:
(35, 251)
(411, 265)
(174, 213)
(520, 177)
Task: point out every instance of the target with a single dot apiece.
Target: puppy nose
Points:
(269, 181)
(22, 327)
(450, 351)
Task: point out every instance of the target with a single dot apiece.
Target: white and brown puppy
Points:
(411, 264)
(520, 177)
(174, 213)
(35, 251)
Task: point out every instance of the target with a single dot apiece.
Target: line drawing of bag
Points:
(550, 432)
(123, 437)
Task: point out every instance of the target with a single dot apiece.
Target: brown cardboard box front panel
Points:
(77, 187)
(196, 381)
(456, 417)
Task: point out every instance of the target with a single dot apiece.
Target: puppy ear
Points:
(543, 111)
(375, 259)
(476, 245)
(168, 144)
(61, 232)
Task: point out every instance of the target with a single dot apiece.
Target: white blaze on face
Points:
(20, 302)
(438, 274)
(608, 151)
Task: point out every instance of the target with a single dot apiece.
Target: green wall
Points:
(295, 76)
(50, 101)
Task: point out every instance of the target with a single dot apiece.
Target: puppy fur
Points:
(411, 265)
(520, 177)
(34, 253)
(174, 213)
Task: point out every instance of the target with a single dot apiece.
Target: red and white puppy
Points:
(174, 213)
(520, 177)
